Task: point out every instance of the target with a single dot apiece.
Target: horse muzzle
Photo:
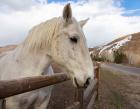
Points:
(83, 84)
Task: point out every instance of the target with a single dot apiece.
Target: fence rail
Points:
(13, 87)
(84, 98)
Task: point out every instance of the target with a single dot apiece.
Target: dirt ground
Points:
(119, 90)
(62, 94)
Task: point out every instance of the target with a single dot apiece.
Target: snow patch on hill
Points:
(115, 45)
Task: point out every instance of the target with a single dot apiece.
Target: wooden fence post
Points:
(97, 73)
(79, 92)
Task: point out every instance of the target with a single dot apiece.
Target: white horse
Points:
(60, 40)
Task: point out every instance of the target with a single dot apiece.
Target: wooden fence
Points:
(84, 98)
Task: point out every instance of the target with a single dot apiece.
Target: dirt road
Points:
(119, 87)
(122, 68)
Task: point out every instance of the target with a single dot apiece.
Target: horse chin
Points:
(75, 83)
(74, 80)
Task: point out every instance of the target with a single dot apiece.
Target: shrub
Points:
(119, 57)
(97, 58)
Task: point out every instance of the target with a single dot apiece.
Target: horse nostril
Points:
(87, 82)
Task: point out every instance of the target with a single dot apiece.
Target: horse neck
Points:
(37, 46)
(36, 60)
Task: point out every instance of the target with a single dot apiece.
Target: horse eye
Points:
(74, 39)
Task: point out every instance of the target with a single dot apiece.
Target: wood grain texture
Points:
(18, 86)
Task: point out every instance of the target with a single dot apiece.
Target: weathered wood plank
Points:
(89, 92)
(18, 86)
(91, 88)
(92, 101)
(79, 92)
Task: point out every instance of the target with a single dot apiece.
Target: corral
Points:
(84, 97)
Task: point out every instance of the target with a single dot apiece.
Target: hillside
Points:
(129, 45)
(7, 48)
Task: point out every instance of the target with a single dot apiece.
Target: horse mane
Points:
(40, 35)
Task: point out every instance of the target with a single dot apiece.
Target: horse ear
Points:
(83, 22)
(67, 13)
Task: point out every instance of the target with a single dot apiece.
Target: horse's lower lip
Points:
(78, 86)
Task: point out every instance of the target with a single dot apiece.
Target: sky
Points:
(109, 19)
